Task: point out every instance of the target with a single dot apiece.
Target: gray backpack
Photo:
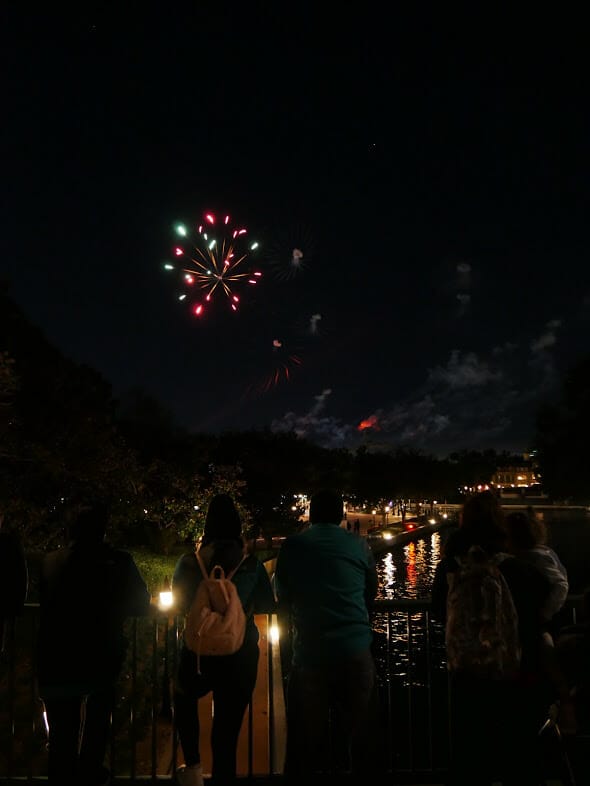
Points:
(481, 633)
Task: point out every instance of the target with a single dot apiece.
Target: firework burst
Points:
(214, 259)
(276, 360)
(277, 353)
(285, 359)
(291, 252)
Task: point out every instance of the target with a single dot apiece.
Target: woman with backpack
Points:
(231, 678)
(491, 604)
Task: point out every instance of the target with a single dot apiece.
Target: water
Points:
(408, 571)
(411, 655)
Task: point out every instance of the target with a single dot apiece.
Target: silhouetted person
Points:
(231, 678)
(495, 721)
(325, 581)
(14, 580)
(87, 591)
(527, 539)
(573, 656)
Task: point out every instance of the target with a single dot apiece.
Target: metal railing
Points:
(408, 734)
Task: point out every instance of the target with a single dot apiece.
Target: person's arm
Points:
(283, 585)
(281, 577)
(284, 598)
(185, 580)
(371, 577)
(439, 592)
(14, 575)
(264, 597)
(137, 596)
(557, 575)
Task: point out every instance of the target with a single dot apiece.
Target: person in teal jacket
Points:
(231, 678)
(326, 581)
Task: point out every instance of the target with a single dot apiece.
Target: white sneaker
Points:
(190, 776)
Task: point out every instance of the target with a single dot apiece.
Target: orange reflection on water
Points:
(411, 575)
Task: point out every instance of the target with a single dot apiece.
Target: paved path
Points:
(368, 520)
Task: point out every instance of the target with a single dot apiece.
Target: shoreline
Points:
(380, 545)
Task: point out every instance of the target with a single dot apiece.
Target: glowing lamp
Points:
(275, 634)
(166, 597)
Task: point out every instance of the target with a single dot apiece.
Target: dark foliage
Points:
(563, 436)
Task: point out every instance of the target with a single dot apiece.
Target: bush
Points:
(156, 568)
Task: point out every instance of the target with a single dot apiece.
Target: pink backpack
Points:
(216, 622)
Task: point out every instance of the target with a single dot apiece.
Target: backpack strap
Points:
(230, 575)
(201, 565)
(233, 572)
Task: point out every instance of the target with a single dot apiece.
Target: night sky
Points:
(432, 170)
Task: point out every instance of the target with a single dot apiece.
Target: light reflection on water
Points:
(407, 571)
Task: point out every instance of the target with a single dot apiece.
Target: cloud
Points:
(542, 359)
(507, 347)
(371, 422)
(464, 371)
(487, 398)
(326, 430)
(548, 337)
(466, 401)
(463, 403)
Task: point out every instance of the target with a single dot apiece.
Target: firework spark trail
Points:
(283, 368)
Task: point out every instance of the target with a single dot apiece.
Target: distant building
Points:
(516, 476)
(514, 479)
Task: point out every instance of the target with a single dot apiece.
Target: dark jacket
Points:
(87, 591)
(14, 576)
(251, 580)
(529, 588)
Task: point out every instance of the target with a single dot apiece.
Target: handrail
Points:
(409, 734)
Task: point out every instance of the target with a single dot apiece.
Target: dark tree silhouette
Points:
(563, 438)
